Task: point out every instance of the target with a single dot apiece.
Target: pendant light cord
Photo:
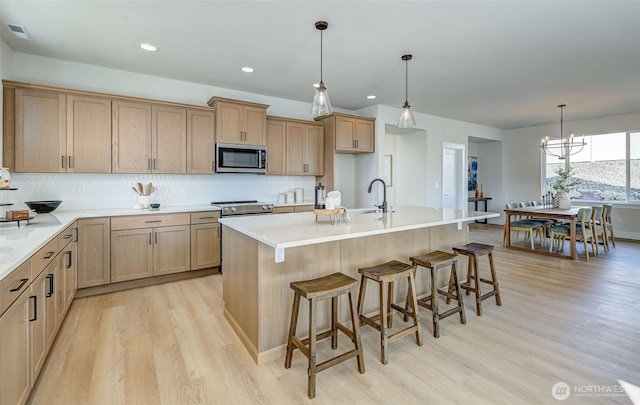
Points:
(320, 56)
(406, 81)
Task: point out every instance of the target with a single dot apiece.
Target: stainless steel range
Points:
(239, 208)
(252, 207)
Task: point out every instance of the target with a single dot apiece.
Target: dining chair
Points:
(608, 224)
(546, 222)
(559, 233)
(598, 227)
(523, 225)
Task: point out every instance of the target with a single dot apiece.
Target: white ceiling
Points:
(505, 64)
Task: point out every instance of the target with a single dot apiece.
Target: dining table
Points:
(540, 211)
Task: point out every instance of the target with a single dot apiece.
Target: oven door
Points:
(240, 159)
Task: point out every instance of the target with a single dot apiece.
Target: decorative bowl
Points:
(43, 207)
(155, 205)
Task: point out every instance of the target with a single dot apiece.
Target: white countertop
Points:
(290, 230)
(17, 244)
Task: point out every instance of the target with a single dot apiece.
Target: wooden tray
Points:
(3, 220)
(334, 215)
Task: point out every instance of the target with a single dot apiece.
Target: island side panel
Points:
(240, 286)
(276, 297)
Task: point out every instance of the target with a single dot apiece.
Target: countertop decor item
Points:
(144, 193)
(155, 206)
(5, 178)
(43, 207)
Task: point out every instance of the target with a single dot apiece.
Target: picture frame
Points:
(472, 173)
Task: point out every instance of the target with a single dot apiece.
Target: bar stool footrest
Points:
(402, 333)
(336, 360)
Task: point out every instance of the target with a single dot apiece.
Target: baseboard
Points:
(246, 342)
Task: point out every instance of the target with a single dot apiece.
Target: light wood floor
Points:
(575, 322)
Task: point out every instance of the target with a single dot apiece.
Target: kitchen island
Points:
(262, 254)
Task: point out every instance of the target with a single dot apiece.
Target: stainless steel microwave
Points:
(231, 158)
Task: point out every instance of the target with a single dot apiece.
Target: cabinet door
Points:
(94, 258)
(345, 133)
(71, 273)
(171, 249)
(88, 135)
(255, 125)
(50, 300)
(39, 347)
(131, 254)
(200, 142)
(131, 137)
(205, 246)
(275, 147)
(296, 164)
(14, 352)
(169, 139)
(40, 137)
(229, 123)
(60, 286)
(314, 150)
(364, 135)
(283, 210)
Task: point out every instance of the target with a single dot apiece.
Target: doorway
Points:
(453, 176)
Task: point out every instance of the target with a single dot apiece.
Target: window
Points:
(607, 169)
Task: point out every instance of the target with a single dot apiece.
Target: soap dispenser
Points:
(320, 197)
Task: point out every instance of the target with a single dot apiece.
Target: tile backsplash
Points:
(97, 191)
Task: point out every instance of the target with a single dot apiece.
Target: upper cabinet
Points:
(149, 138)
(88, 134)
(239, 122)
(348, 133)
(40, 131)
(294, 147)
(200, 141)
(275, 146)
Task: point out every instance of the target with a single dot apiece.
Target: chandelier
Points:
(565, 146)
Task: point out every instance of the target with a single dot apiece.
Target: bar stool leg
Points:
(334, 321)
(384, 337)
(434, 303)
(363, 289)
(495, 279)
(476, 281)
(414, 307)
(292, 329)
(454, 277)
(312, 348)
(389, 302)
(451, 278)
(469, 274)
(355, 321)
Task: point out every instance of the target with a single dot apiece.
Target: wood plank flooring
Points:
(572, 321)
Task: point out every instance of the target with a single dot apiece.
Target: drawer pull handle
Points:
(150, 222)
(23, 281)
(35, 308)
(67, 236)
(70, 262)
(207, 217)
(49, 255)
(50, 292)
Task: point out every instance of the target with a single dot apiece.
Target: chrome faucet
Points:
(383, 207)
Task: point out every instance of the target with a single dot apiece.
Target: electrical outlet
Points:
(618, 220)
(82, 189)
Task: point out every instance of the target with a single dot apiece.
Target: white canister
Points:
(290, 197)
(299, 194)
(282, 198)
(144, 201)
(5, 178)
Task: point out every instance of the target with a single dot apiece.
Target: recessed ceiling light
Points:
(247, 69)
(148, 47)
(316, 85)
(371, 97)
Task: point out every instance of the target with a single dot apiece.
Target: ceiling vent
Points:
(18, 30)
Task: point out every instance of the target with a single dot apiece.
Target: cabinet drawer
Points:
(15, 284)
(204, 217)
(149, 221)
(283, 210)
(304, 208)
(65, 237)
(44, 256)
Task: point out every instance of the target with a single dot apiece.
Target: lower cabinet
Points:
(205, 240)
(15, 380)
(291, 209)
(39, 290)
(94, 252)
(146, 249)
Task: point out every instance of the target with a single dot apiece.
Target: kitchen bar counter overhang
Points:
(256, 273)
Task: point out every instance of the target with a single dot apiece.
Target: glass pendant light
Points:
(406, 119)
(321, 103)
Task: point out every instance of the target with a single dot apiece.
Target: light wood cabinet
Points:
(293, 209)
(142, 247)
(283, 210)
(304, 208)
(39, 290)
(40, 131)
(239, 122)
(275, 146)
(52, 279)
(149, 138)
(200, 141)
(94, 247)
(349, 134)
(88, 134)
(304, 146)
(15, 346)
(205, 240)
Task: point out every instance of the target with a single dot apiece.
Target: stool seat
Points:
(333, 284)
(326, 287)
(473, 250)
(435, 261)
(385, 275)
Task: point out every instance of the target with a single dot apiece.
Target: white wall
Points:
(490, 174)
(523, 162)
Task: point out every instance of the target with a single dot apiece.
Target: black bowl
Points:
(43, 207)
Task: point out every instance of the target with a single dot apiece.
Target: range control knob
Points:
(265, 207)
(225, 209)
(234, 209)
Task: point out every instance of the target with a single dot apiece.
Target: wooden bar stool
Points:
(435, 261)
(330, 286)
(473, 250)
(385, 275)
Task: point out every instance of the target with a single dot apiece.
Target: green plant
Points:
(565, 183)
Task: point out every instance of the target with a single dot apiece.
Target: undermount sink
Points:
(368, 211)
